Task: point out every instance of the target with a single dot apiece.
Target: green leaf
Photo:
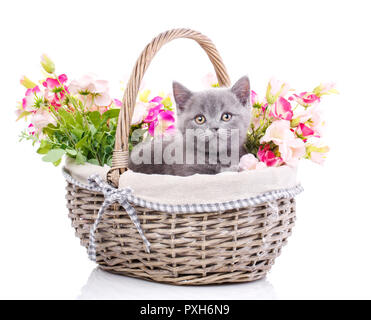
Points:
(44, 148)
(137, 134)
(80, 158)
(77, 133)
(80, 135)
(99, 137)
(93, 129)
(50, 129)
(95, 118)
(56, 163)
(79, 119)
(94, 161)
(54, 155)
(23, 114)
(110, 114)
(110, 139)
(108, 150)
(66, 116)
(71, 152)
(81, 143)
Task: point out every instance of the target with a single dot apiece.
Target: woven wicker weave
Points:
(237, 245)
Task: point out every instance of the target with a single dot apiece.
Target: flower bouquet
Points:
(79, 119)
(286, 127)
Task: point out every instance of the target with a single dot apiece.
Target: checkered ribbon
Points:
(112, 195)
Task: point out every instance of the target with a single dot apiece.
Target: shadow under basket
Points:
(237, 245)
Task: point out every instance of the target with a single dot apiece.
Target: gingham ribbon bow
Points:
(112, 195)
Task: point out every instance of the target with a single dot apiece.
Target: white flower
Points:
(94, 92)
(249, 162)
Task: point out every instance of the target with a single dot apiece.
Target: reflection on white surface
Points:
(104, 285)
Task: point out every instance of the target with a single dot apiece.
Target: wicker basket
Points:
(235, 245)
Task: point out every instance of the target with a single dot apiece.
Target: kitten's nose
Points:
(214, 129)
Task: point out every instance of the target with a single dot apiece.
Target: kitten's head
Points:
(214, 110)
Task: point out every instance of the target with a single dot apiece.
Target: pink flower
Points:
(31, 129)
(305, 98)
(156, 99)
(93, 91)
(55, 90)
(148, 112)
(165, 123)
(52, 83)
(304, 131)
(55, 98)
(278, 132)
(101, 93)
(268, 156)
(117, 102)
(62, 78)
(292, 150)
(140, 112)
(153, 113)
(316, 122)
(290, 147)
(34, 90)
(162, 122)
(210, 80)
(310, 98)
(29, 100)
(28, 103)
(84, 85)
(152, 127)
(276, 89)
(250, 162)
(279, 87)
(281, 109)
(254, 97)
(312, 118)
(318, 157)
(40, 119)
(317, 153)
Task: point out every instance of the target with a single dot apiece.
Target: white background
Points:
(302, 42)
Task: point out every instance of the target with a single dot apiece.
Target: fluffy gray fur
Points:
(211, 105)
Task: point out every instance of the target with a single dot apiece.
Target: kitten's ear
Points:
(242, 90)
(181, 94)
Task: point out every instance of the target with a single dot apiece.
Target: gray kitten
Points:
(211, 131)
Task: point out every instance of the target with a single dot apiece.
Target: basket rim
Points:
(224, 187)
(268, 196)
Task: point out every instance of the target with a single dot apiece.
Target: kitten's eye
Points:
(226, 117)
(200, 119)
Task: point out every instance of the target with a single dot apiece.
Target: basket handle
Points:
(120, 155)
